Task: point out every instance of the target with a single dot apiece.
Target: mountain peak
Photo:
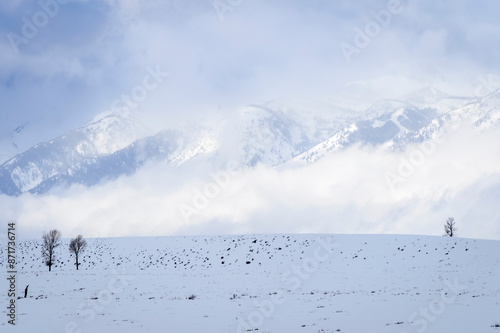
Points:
(426, 95)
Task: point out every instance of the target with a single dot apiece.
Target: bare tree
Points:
(449, 227)
(77, 246)
(51, 240)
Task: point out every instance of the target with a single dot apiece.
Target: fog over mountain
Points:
(154, 117)
(285, 165)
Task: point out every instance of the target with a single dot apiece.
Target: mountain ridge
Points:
(276, 133)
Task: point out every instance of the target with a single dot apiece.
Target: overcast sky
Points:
(77, 63)
(58, 71)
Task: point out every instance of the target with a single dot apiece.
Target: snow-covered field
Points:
(261, 283)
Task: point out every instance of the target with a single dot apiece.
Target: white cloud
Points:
(91, 53)
(345, 192)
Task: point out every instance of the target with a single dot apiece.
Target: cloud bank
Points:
(345, 192)
(88, 54)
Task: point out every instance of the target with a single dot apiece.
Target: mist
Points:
(362, 189)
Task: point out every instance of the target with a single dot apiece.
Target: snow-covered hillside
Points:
(263, 283)
(276, 133)
(110, 146)
(273, 134)
(425, 114)
(380, 130)
(104, 135)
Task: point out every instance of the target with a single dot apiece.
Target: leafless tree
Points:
(51, 240)
(449, 227)
(77, 246)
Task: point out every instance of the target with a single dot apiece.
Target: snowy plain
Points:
(261, 283)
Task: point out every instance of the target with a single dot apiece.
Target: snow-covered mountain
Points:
(171, 147)
(115, 145)
(272, 134)
(13, 141)
(413, 121)
(482, 114)
(104, 135)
